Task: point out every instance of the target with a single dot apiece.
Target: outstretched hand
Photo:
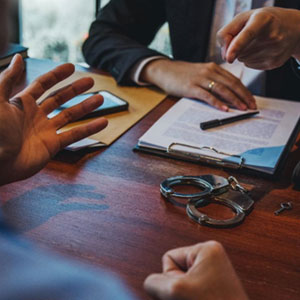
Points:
(202, 271)
(262, 38)
(28, 139)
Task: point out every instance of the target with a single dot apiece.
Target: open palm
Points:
(28, 139)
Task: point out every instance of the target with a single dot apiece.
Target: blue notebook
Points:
(13, 49)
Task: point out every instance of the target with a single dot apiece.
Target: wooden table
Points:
(104, 207)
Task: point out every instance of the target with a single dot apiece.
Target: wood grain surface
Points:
(104, 207)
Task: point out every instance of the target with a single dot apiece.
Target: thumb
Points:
(226, 34)
(163, 286)
(10, 76)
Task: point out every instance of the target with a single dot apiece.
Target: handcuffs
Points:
(214, 189)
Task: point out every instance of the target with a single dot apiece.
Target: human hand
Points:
(184, 79)
(202, 271)
(28, 139)
(262, 38)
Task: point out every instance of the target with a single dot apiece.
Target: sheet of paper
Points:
(84, 143)
(247, 75)
(260, 140)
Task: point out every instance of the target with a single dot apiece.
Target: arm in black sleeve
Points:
(119, 36)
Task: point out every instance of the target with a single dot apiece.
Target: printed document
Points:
(260, 140)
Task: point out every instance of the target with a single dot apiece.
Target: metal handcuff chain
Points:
(216, 189)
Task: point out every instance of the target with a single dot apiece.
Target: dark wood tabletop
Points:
(104, 207)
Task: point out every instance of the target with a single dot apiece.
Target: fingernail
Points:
(231, 58)
(13, 60)
(224, 107)
(223, 52)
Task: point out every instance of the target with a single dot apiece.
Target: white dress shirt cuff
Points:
(138, 68)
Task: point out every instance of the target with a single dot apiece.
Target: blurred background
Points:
(56, 29)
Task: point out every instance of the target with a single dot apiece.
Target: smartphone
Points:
(111, 104)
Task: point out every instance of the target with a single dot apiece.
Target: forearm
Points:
(155, 71)
(119, 36)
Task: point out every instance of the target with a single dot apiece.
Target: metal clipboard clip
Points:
(205, 158)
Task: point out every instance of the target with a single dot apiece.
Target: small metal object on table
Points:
(215, 189)
(284, 206)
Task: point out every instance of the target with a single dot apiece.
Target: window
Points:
(56, 29)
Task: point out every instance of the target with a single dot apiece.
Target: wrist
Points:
(154, 71)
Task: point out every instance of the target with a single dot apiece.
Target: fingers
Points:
(261, 59)
(251, 30)
(76, 134)
(164, 287)
(61, 96)
(209, 275)
(48, 80)
(228, 88)
(185, 258)
(174, 263)
(233, 91)
(224, 44)
(174, 283)
(175, 260)
(228, 32)
(10, 76)
(209, 98)
(77, 111)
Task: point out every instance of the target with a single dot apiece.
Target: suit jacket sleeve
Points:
(119, 36)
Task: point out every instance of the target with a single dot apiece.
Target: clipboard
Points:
(186, 153)
(209, 161)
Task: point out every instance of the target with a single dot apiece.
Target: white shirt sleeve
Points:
(138, 68)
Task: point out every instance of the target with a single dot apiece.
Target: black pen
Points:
(220, 122)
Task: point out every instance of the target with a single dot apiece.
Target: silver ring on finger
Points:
(211, 86)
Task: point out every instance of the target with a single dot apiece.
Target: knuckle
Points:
(272, 64)
(38, 86)
(236, 81)
(58, 99)
(167, 255)
(68, 116)
(213, 101)
(176, 288)
(211, 66)
(216, 249)
(276, 37)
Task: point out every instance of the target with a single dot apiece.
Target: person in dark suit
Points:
(123, 29)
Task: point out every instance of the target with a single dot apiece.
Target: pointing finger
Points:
(61, 96)
(48, 80)
(250, 31)
(77, 111)
(78, 133)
